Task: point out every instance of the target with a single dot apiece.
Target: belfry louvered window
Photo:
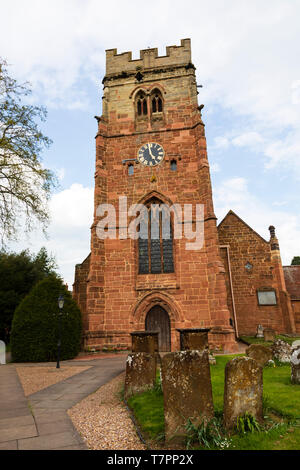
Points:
(156, 102)
(156, 247)
(141, 104)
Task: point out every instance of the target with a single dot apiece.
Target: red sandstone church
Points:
(151, 148)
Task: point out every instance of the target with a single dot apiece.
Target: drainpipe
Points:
(231, 289)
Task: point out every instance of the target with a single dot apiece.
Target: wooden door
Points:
(157, 319)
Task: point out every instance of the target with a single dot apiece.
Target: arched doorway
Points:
(157, 319)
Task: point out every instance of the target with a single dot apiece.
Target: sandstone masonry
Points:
(225, 285)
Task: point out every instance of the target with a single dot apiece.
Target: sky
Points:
(246, 55)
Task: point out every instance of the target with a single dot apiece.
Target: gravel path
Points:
(36, 378)
(103, 422)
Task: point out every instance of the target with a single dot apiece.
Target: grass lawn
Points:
(281, 410)
(254, 340)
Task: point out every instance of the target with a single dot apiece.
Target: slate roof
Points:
(292, 281)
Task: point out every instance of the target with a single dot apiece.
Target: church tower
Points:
(151, 149)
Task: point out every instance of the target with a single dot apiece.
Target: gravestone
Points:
(282, 351)
(243, 390)
(193, 338)
(296, 344)
(260, 331)
(2, 353)
(261, 354)
(269, 334)
(140, 373)
(295, 366)
(144, 341)
(212, 360)
(187, 391)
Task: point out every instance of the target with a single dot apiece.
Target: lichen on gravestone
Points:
(140, 373)
(187, 391)
(295, 366)
(243, 390)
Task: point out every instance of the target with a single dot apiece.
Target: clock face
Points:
(151, 154)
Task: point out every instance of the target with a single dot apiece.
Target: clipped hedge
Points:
(35, 326)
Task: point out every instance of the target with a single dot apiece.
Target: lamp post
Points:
(60, 301)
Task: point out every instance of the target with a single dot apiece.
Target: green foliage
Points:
(247, 423)
(209, 434)
(158, 385)
(295, 260)
(35, 326)
(25, 184)
(19, 272)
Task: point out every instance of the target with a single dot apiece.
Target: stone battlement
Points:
(149, 58)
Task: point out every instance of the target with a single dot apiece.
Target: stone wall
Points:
(246, 246)
(118, 297)
(149, 58)
(296, 310)
(80, 288)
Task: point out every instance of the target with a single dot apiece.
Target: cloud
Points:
(220, 142)
(245, 60)
(248, 139)
(234, 194)
(215, 167)
(68, 240)
(234, 49)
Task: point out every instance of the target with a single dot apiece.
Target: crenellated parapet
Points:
(149, 58)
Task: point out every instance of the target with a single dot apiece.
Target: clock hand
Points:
(150, 151)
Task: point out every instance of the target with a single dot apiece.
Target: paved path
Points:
(40, 421)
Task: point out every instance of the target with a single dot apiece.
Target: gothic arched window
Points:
(141, 104)
(156, 245)
(156, 102)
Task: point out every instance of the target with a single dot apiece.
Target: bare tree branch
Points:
(25, 185)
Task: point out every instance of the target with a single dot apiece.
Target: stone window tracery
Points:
(141, 104)
(156, 102)
(156, 249)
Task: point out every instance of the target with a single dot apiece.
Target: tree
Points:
(35, 327)
(19, 272)
(295, 260)
(25, 185)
